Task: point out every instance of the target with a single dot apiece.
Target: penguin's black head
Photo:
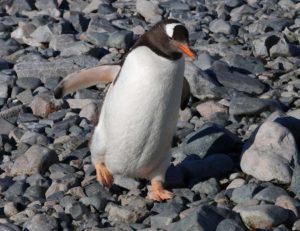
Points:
(168, 38)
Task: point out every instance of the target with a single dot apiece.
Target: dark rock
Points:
(248, 64)
(211, 139)
(41, 222)
(78, 20)
(237, 80)
(34, 193)
(6, 127)
(230, 225)
(98, 39)
(204, 218)
(244, 193)
(5, 183)
(5, 64)
(233, 3)
(245, 105)
(100, 25)
(16, 189)
(211, 166)
(29, 83)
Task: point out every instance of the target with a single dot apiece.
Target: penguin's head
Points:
(168, 38)
(178, 37)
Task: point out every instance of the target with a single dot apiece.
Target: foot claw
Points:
(103, 175)
(158, 193)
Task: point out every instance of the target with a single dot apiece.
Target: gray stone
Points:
(98, 39)
(296, 225)
(269, 154)
(211, 139)
(28, 83)
(216, 165)
(19, 6)
(263, 216)
(15, 190)
(36, 159)
(148, 9)
(204, 218)
(237, 80)
(59, 42)
(76, 49)
(77, 210)
(233, 3)
(77, 19)
(220, 26)
(245, 105)
(41, 222)
(244, 193)
(42, 34)
(46, 4)
(281, 228)
(126, 182)
(25, 96)
(9, 227)
(100, 25)
(200, 83)
(58, 67)
(5, 127)
(3, 90)
(270, 194)
(120, 39)
(209, 187)
(249, 64)
(230, 225)
(124, 214)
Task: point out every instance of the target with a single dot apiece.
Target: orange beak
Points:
(185, 48)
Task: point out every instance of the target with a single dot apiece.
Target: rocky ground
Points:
(235, 153)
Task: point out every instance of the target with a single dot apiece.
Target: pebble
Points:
(41, 222)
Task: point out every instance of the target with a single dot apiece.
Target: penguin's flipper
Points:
(185, 94)
(86, 78)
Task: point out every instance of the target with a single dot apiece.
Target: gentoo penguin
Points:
(140, 111)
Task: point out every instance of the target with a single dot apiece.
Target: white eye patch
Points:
(170, 28)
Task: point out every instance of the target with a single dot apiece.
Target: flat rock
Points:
(245, 105)
(204, 218)
(220, 26)
(244, 193)
(211, 139)
(270, 194)
(269, 153)
(6, 127)
(36, 159)
(41, 222)
(263, 216)
(236, 80)
(58, 67)
(208, 108)
(147, 9)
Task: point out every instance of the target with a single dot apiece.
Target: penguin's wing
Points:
(185, 94)
(86, 78)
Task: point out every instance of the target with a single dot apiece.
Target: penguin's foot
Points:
(158, 193)
(103, 175)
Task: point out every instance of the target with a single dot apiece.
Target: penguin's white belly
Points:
(140, 113)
